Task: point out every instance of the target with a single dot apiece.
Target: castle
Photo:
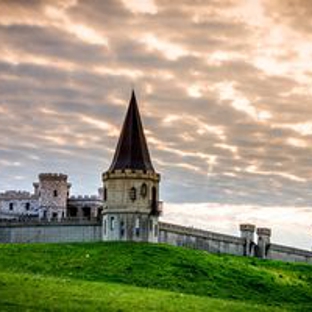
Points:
(127, 208)
(50, 201)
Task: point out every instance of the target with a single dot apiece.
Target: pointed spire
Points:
(132, 151)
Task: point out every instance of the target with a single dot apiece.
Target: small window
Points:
(133, 194)
(144, 190)
(11, 206)
(151, 225)
(122, 228)
(27, 206)
(55, 193)
(105, 225)
(105, 194)
(137, 227)
(112, 223)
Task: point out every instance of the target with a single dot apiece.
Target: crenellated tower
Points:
(52, 191)
(131, 186)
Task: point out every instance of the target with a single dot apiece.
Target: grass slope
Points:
(93, 276)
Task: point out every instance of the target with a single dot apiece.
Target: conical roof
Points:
(132, 151)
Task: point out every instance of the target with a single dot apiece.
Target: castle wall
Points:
(290, 254)
(50, 233)
(58, 232)
(178, 235)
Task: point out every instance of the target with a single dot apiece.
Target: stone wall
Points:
(178, 235)
(285, 253)
(17, 204)
(172, 234)
(50, 233)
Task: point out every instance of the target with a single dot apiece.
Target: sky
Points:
(224, 89)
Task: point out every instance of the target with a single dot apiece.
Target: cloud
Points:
(225, 97)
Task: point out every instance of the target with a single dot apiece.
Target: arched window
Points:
(144, 190)
(27, 206)
(132, 194)
(55, 193)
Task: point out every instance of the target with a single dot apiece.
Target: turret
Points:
(248, 234)
(264, 241)
(131, 186)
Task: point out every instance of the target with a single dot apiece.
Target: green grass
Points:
(141, 277)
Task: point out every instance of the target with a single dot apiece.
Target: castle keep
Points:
(127, 208)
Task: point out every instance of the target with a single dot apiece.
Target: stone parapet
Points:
(85, 197)
(53, 176)
(247, 227)
(131, 174)
(11, 195)
(290, 250)
(199, 233)
(264, 232)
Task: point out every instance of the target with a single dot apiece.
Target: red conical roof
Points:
(132, 151)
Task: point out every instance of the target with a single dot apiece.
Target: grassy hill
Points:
(141, 277)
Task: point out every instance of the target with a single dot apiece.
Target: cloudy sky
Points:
(224, 88)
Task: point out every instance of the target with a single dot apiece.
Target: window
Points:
(144, 190)
(137, 227)
(105, 194)
(11, 206)
(122, 228)
(151, 225)
(27, 206)
(132, 194)
(55, 193)
(105, 225)
(112, 223)
(155, 230)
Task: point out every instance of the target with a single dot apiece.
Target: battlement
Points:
(84, 197)
(12, 194)
(246, 227)
(264, 232)
(53, 176)
(131, 174)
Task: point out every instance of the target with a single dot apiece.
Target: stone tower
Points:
(248, 234)
(131, 186)
(264, 242)
(52, 191)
